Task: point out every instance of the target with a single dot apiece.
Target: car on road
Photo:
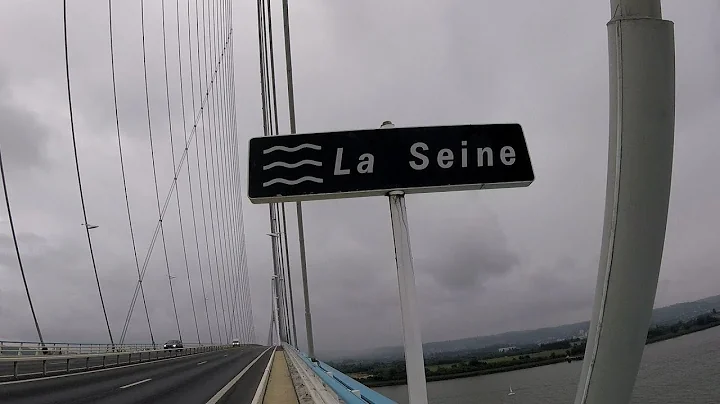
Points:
(173, 344)
(236, 342)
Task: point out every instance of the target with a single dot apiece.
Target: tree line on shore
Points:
(446, 365)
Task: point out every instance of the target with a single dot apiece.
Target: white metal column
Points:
(412, 337)
(642, 120)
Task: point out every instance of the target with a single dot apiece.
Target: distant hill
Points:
(663, 315)
(685, 311)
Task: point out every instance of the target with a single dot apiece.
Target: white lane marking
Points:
(39, 379)
(260, 392)
(135, 384)
(200, 363)
(219, 395)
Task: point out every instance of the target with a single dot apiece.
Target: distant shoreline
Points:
(681, 333)
(450, 376)
(553, 361)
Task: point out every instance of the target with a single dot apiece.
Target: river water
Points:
(684, 370)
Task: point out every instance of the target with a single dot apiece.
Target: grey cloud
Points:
(462, 254)
(23, 137)
(478, 66)
(485, 262)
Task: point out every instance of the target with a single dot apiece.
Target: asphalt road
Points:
(186, 379)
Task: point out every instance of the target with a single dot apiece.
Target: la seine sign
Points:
(375, 162)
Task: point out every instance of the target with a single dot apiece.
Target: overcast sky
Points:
(486, 262)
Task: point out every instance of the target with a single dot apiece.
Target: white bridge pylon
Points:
(642, 125)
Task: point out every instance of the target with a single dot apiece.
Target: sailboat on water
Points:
(511, 393)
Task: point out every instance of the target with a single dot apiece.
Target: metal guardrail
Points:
(347, 390)
(28, 348)
(39, 364)
(366, 393)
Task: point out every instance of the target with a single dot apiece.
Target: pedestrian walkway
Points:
(280, 388)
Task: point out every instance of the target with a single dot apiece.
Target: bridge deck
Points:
(280, 388)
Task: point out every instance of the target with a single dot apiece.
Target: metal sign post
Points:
(412, 336)
(372, 163)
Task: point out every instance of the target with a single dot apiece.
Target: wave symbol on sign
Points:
(292, 149)
(292, 182)
(292, 165)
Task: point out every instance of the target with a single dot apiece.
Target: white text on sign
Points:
(445, 158)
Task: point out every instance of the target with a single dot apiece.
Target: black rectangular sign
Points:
(374, 162)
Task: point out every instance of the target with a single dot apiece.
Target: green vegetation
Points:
(702, 322)
(667, 315)
(487, 360)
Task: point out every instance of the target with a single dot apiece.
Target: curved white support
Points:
(642, 120)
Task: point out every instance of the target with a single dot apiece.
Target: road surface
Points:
(184, 379)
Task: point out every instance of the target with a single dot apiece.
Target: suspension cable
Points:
(222, 100)
(239, 238)
(287, 269)
(77, 169)
(231, 196)
(272, 77)
(261, 36)
(268, 130)
(190, 187)
(218, 263)
(17, 251)
(152, 156)
(216, 170)
(230, 162)
(267, 123)
(172, 153)
(122, 169)
(183, 157)
(245, 280)
(228, 191)
(221, 164)
(197, 153)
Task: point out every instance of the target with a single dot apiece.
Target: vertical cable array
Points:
(218, 171)
(267, 131)
(214, 119)
(213, 212)
(152, 156)
(172, 153)
(122, 168)
(234, 195)
(221, 113)
(271, 126)
(197, 155)
(77, 169)
(244, 276)
(231, 194)
(298, 204)
(189, 177)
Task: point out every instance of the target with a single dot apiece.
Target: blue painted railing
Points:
(368, 394)
(341, 384)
